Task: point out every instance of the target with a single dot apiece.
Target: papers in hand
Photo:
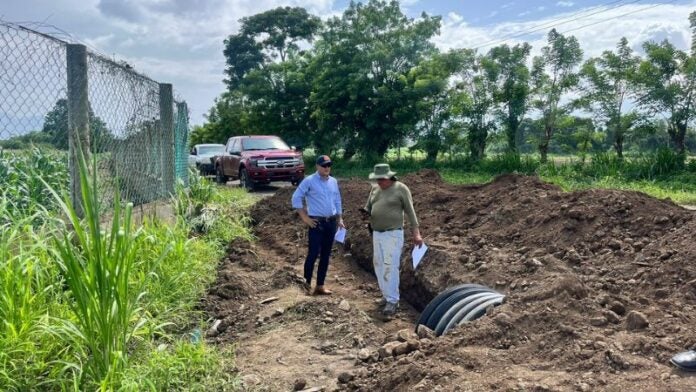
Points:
(340, 235)
(417, 254)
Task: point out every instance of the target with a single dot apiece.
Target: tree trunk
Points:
(618, 143)
(382, 148)
(512, 140)
(544, 145)
(477, 143)
(432, 155)
(432, 146)
(512, 125)
(677, 134)
(544, 151)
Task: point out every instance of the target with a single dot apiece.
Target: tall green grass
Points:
(97, 265)
(84, 306)
(31, 303)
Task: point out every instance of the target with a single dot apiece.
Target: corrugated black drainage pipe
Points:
(458, 304)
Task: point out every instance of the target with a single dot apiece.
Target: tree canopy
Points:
(371, 79)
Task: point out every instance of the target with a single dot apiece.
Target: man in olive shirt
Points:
(386, 205)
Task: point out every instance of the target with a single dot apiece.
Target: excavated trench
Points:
(600, 285)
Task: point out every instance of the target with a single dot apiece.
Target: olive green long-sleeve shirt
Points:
(387, 207)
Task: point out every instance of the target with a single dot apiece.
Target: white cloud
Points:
(565, 4)
(454, 17)
(541, 8)
(657, 23)
(171, 41)
(180, 41)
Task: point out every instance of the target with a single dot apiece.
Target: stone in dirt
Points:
(387, 350)
(344, 305)
(345, 377)
(364, 355)
(300, 383)
(406, 335)
(636, 320)
(425, 332)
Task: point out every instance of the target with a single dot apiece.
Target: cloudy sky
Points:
(181, 41)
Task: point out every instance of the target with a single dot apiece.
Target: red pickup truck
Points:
(258, 159)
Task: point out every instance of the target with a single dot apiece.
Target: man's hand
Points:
(340, 223)
(364, 214)
(309, 221)
(417, 239)
(306, 219)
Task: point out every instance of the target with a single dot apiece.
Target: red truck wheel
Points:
(244, 180)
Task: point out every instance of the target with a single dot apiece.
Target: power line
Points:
(556, 22)
(618, 16)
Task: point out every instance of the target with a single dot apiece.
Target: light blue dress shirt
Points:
(322, 197)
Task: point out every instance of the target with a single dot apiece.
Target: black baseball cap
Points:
(323, 160)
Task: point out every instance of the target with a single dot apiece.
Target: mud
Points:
(600, 285)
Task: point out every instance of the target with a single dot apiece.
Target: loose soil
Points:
(600, 292)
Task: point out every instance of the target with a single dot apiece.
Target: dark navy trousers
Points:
(321, 239)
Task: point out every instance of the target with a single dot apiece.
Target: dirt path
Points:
(295, 338)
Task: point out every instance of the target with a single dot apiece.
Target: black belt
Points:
(382, 231)
(324, 218)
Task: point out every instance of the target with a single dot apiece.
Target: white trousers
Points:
(386, 247)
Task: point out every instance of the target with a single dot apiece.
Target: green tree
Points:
(429, 80)
(553, 74)
(277, 100)
(265, 37)
(608, 87)
(474, 101)
(361, 97)
(667, 82)
(227, 117)
(242, 54)
(280, 29)
(56, 125)
(507, 68)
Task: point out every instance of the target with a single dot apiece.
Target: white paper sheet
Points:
(417, 254)
(340, 235)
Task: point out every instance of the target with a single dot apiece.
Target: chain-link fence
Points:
(62, 96)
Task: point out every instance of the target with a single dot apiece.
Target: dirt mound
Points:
(600, 284)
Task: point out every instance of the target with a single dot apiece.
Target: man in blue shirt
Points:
(322, 214)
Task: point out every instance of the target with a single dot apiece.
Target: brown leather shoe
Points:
(321, 290)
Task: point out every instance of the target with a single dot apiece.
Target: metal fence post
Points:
(78, 117)
(182, 142)
(166, 103)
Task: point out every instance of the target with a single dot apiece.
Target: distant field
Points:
(679, 187)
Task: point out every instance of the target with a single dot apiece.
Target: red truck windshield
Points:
(264, 144)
